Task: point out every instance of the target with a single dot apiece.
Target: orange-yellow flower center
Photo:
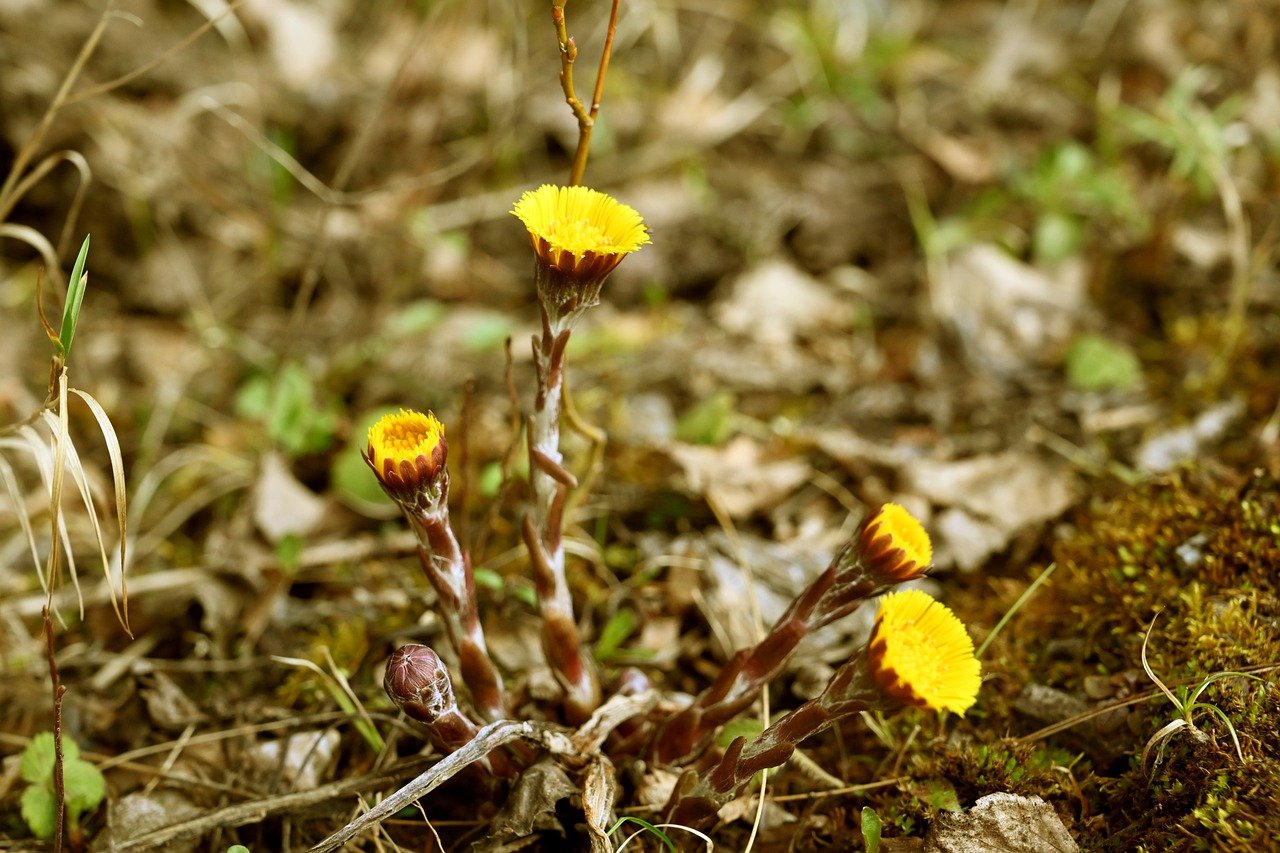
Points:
(906, 533)
(924, 648)
(403, 437)
(580, 220)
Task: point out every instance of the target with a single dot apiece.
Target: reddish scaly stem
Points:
(551, 482)
(698, 797)
(838, 591)
(449, 572)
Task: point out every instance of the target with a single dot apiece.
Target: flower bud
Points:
(893, 546)
(407, 452)
(418, 682)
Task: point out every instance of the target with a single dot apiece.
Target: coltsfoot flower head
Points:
(407, 452)
(920, 654)
(893, 545)
(579, 235)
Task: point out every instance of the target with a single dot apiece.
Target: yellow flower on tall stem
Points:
(919, 654)
(579, 236)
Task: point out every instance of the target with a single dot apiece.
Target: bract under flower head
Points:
(920, 654)
(894, 546)
(407, 453)
(579, 233)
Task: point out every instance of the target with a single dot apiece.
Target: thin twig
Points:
(568, 54)
(59, 792)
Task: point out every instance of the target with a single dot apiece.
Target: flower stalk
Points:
(890, 547)
(407, 452)
(919, 654)
(579, 236)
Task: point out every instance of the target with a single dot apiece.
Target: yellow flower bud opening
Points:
(580, 220)
(921, 654)
(894, 545)
(404, 436)
(406, 451)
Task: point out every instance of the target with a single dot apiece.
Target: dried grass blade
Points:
(35, 240)
(47, 165)
(20, 508)
(32, 443)
(117, 478)
(76, 467)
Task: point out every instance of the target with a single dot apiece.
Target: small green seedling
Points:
(82, 785)
(871, 828)
(1187, 702)
(75, 298)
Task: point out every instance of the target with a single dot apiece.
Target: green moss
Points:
(1197, 553)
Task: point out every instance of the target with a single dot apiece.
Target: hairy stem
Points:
(697, 797)
(838, 591)
(551, 482)
(449, 572)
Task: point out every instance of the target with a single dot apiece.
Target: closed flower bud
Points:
(418, 682)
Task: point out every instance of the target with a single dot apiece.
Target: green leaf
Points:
(871, 826)
(75, 298)
(487, 333)
(662, 836)
(414, 318)
(1057, 236)
(39, 811)
(488, 579)
(747, 727)
(237, 848)
(37, 758)
(289, 553)
(84, 787)
(709, 422)
(615, 632)
(1095, 363)
(490, 479)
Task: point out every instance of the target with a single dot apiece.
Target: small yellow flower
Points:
(920, 654)
(894, 546)
(407, 452)
(579, 233)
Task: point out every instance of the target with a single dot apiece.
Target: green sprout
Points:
(1187, 702)
(75, 298)
(82, 783)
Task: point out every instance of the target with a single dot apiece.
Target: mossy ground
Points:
(1197, 553)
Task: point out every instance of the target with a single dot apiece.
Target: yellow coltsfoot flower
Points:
(407, 453)
(579, 236)
(920, 654)
(893, 545)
